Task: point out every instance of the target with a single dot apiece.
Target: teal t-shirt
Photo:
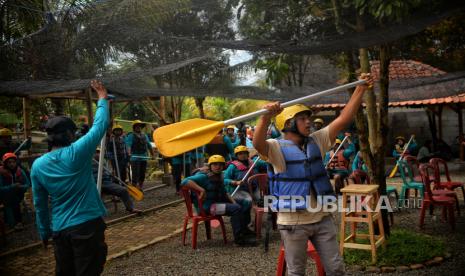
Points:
(65, 175)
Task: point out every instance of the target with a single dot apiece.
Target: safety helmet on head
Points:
(138, 122)
(9, 155)
(216, 159)
(289, 113)
(5, 132)
(231, 127)
(338, 141)
(319, 121)
(116, 127)
(240, 148)
(400, 138)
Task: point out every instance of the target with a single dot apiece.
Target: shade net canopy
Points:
(150, 48)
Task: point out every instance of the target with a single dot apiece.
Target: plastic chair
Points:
(431, 200)
(449, 184)
(311, 252)
(414, 165)
(262, 180)
(196, 218)
(408, 181)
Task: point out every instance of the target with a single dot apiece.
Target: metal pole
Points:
(116, 158)
(100, 164)
(245, 176)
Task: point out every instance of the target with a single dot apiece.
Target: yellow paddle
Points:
(174, 139)
(394, 170)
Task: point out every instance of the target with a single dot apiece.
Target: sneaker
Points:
(135, 211)
(247, 232)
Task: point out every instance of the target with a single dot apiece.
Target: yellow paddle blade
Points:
(174, 139)
(393, 172)
(134, 192)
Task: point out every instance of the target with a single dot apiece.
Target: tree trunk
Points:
(199, 104)
(383, 126)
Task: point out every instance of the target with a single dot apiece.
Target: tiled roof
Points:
(412, 83)
(406, 69)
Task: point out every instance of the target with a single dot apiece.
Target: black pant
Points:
(81, 249)
(177, 173)
(119, 191)
(122, 165)
(138, 169)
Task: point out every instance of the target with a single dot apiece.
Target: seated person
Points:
(111, 188)
(236, 171)
(425, 154)
(13, 184)
(208, 181)
(400, 146)
(359, 163)
(338, 168)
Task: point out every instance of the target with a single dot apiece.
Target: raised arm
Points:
(351, 108)
(259, 136)
(85, 147)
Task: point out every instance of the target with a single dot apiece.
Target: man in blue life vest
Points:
(64, 175)
(233, 137)
(235, 173)
(13, 184)
(138, 144)
(209, 182)
(297, 171)
(338, 168)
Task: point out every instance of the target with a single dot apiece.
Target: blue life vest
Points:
(305, 174)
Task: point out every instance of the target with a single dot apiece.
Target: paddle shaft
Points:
(116, 158)
(338, 148)
(249, 116)
(245, 176)
(405, 149)
(103, 143)
(108, 171)
(21, 145)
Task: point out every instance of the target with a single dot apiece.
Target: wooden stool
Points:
(357, 216)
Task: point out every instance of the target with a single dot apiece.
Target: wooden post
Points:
(27, 118)
(440, 121)
(90, 113)
(460, 116)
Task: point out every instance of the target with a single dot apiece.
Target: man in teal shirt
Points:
(208, 182)
(65, 175)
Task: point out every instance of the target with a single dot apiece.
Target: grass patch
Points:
(404, 247)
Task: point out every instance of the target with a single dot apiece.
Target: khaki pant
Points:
(323, 236)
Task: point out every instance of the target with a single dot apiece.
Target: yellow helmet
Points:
(231, 127)
(318, 120)
(137, 122)
(338, 141)
(400, 138)
(216, 159)
(240, 148)
(117, 127)
(289, 113)
(5, 132)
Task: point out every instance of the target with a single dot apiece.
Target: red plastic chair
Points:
(311, 252)
(196, 218)
(430, 199)
(262, 180)
(449, 184)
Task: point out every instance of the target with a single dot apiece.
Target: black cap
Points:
(60, 124)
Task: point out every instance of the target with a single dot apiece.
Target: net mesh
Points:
(152, 48)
